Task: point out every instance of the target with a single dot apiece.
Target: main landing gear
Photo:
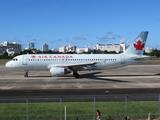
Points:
(26, 73)
(75, 74)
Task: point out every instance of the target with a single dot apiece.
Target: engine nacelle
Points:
(58, 71)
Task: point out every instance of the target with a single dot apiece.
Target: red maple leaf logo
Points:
(138, 45)
(33, 56)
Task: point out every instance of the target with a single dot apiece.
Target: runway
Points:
(132, 79)
(133, 76)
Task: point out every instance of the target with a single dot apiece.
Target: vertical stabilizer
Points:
(138, 45)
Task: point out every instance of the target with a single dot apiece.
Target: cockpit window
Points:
(15, 59)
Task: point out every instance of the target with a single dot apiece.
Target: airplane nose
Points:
(8, 64)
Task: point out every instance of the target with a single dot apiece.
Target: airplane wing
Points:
(76, 65)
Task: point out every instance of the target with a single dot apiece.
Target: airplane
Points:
(61, 64)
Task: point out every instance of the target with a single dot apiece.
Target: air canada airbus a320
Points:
(61, 64)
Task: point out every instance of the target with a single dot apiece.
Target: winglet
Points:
(138, 46)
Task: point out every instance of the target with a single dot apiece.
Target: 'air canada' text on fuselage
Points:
(52, 56)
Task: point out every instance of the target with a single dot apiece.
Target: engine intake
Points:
(57, 71)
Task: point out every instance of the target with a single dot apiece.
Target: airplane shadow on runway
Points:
(97, 76)
(158, 74)
(93, 76)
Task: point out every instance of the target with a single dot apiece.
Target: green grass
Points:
(81, 110)
(154, 60)
(3, 61)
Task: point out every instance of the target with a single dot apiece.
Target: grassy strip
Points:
(81, 110)
(152, 61)
(3, 61)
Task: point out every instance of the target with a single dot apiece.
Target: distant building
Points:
(13, 45)
(82, 50)
(123, 47)
(45, 47)
(11, 48)
(111, 47)
(31, 45)
(11, 51)
(54, 50)
(62, 49)
(1, 49)
(65, 49)
(71, 48)
(148, 50)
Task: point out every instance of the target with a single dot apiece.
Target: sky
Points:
(82, 23)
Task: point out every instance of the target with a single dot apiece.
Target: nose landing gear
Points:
(26, 73)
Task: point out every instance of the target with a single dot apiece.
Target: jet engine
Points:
(58, 71)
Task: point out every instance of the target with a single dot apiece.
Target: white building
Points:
(62, 49)
(54, 50)
(11, 51)
(111, 47)
(69, 48)
(123, 47)
(14, 47)
(148, 50)
(81, 50)
(45, 47)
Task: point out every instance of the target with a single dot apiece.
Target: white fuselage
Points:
(43, 61)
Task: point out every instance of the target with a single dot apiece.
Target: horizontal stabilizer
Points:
(142, 58)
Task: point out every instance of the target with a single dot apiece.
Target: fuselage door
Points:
(122, 59)
(24, 61)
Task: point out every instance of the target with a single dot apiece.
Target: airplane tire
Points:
(26, 75)
(77, 75)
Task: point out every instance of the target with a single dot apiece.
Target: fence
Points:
(80, 107)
